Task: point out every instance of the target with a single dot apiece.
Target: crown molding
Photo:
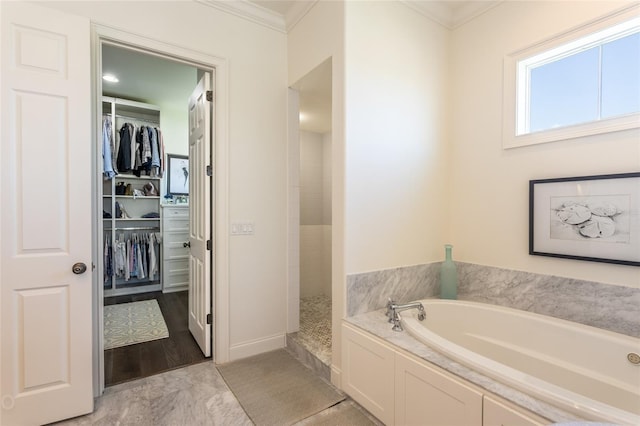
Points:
(297, 12)
(438, 11)
(444, 15)
(249, 11)
(471, 10)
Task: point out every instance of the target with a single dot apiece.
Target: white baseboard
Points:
(255, 347)
(336, 377)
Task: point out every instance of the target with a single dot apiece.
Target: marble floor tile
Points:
(191, 396)
(195, 395)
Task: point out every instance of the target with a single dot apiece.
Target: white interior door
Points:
(45, 220)
(200, 235)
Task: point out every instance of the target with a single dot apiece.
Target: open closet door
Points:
(45, 224)
(200, 235)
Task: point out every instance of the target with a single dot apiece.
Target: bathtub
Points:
(581, 369)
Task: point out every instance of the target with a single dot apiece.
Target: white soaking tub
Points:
(582, 369)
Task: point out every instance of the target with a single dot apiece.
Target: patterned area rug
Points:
(131, 323)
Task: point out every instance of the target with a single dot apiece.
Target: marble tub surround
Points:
(375, 322)
(605, 306)
(370, 290)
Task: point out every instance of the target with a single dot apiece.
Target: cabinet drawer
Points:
(175, 235)
(175, 249)
(176, 212)
(176, 224)
(176, 273)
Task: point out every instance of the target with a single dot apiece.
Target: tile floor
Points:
(315, 327)
(194, 396)
(197, 395)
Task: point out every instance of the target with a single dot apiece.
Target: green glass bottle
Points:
(448, 276)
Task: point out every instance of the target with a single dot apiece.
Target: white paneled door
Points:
(45, 219)
(200, 235)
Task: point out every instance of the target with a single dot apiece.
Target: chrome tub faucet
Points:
(393, 309)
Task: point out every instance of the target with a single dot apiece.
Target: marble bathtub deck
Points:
(375, 322)
(195, 395)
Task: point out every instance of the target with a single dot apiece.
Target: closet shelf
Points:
(137, 219)
(141, 197)
(137, 228)
(134, 177)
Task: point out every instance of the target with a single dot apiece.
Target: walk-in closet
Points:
(145, 213)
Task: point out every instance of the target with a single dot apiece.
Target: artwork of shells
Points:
(596, 217)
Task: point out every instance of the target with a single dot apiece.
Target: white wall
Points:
(489, 205)
(257, 130)
(174, 123)
(396, 140)
(315, 214)
(311, 181)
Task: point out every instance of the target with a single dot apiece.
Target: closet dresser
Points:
(175, 233)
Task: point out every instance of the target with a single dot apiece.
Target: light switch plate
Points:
(242, 228)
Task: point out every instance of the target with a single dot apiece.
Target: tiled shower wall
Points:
(315, 214)
(600, 305)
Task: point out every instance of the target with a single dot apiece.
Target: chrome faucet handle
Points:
(421, 313)
(397, 325)
(390, 313)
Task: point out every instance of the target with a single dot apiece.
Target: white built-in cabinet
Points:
(401, 389)
(498, 412)
(427, 395)
(368, 373)
(132, 207)
(175, 232)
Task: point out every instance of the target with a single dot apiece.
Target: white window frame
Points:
(517, 71)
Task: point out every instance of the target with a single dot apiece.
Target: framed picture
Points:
(595, 218)
(177, 174)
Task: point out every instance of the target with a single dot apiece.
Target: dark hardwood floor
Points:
(149, 358)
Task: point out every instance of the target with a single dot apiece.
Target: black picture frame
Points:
(177, 174)
(591, 218)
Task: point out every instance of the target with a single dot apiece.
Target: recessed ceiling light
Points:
(110, 78)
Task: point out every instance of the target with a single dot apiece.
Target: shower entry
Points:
(310, 169)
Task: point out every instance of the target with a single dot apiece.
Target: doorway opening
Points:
(145, 235)
(312, 187)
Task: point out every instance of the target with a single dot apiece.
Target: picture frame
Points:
(177, 174)
(592, 218)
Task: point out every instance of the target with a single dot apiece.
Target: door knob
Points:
(79, 268)
(187, 244)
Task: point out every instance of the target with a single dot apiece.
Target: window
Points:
(574, 86)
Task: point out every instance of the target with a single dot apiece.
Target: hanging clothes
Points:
(132, 132)
(124, 151)
(108, 259)
(107, 151)
(132, 255)
(155, 153)
(153, 267)
(162, 157)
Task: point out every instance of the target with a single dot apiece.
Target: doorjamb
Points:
(220, 150)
